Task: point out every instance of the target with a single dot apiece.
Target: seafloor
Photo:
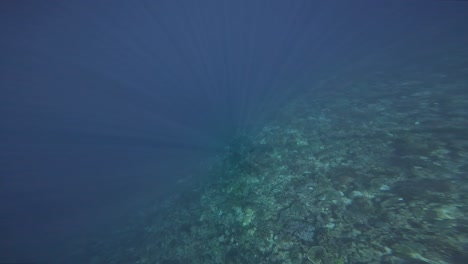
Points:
(371, 169)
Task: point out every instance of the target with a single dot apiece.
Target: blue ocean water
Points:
(233, 131)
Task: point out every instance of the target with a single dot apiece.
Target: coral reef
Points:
(373, 173)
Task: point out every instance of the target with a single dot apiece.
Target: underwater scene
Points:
(339, 178)
(176, 132)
